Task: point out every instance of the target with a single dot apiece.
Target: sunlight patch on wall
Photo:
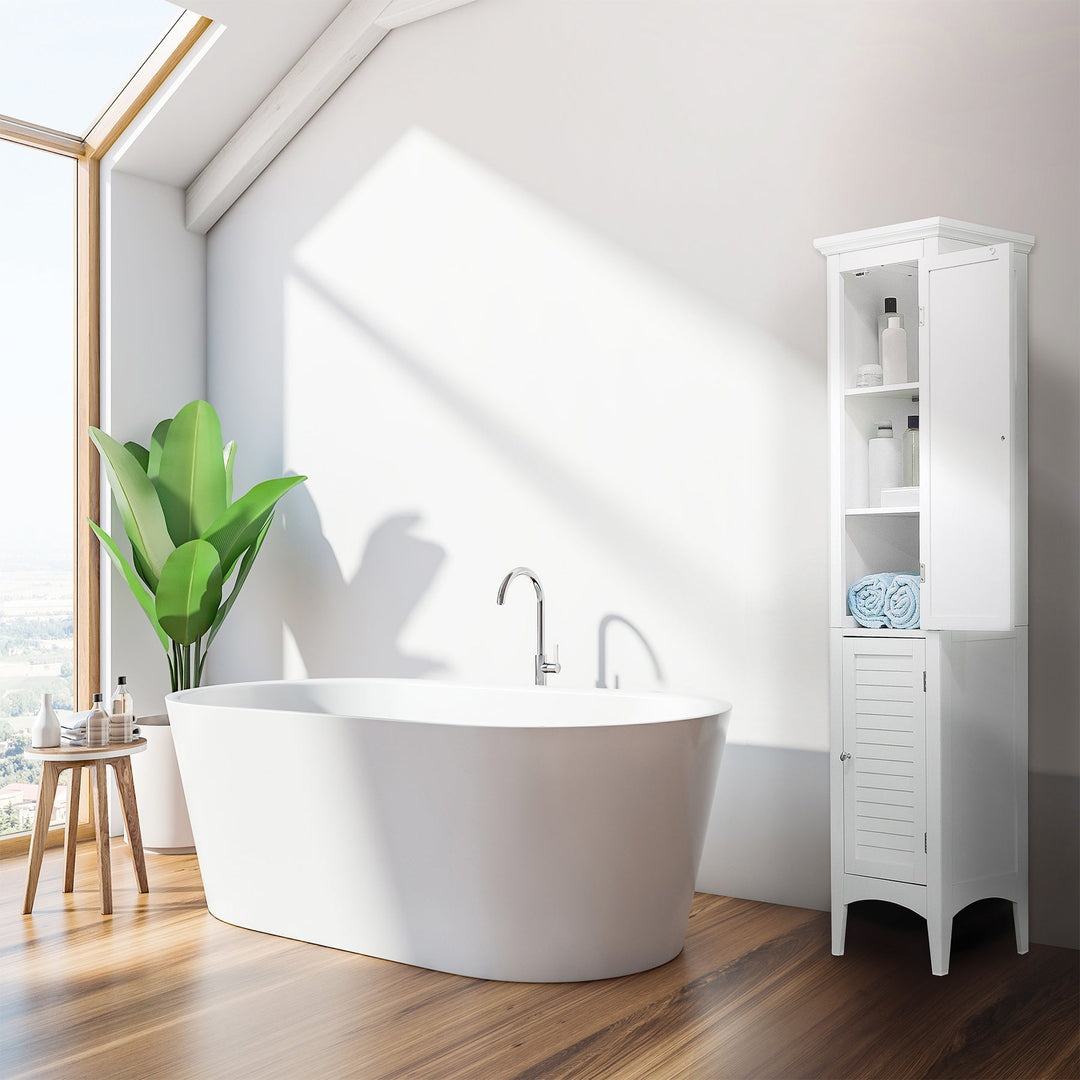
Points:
(462, 353)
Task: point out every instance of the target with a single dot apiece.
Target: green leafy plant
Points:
(188, 537)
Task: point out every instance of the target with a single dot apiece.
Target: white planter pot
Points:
(163, 815)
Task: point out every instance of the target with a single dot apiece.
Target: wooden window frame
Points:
(87, 153)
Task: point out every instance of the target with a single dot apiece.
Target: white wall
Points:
(537, 286)
(153, 361)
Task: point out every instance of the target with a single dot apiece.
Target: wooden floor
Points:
(161, 989)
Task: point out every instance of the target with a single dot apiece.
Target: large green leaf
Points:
(230, 461)
(137, 501)
(138, 589)
(139, 453)
(234, 532)
(191, 477)
(246, 564)
(142, 570)
(189, 592)
(157, 444)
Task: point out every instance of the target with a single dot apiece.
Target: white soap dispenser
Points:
(46, 729)
(894, 352)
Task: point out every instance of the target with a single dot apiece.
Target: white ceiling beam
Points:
(283, 112)
(399, 12)
(333, 57)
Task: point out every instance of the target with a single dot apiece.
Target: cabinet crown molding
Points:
(950, 228)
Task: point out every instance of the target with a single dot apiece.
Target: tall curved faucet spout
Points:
(520, 571)
(542, 665)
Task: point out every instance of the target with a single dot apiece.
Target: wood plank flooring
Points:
(162, 990)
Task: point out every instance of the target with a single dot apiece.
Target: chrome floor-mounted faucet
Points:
(544, 666)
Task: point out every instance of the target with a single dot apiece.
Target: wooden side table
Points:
(54, 760)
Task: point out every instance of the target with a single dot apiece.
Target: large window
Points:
(73, 74)
(63, 61)
(37, 315)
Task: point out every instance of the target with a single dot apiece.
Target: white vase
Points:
(159, 791)
(46, 729)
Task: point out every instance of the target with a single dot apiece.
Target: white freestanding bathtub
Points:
(531, 835)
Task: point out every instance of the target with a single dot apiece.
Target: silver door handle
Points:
(845, 756)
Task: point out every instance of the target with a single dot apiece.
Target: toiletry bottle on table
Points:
(46, 729)
(883, 462)
(123, 713)
(97, 724)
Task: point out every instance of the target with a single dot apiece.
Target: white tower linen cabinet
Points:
(928, 734)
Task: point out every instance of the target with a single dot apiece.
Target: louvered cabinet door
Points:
(885, 774)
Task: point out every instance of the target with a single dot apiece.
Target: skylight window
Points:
(62, 62)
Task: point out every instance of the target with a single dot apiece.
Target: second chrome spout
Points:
(542, 665)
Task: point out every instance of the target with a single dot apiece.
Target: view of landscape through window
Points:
(61, 63)
(37, 312)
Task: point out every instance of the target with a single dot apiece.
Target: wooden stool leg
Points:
(50, 771)
(101, 799)
(71, 833)
(125, 783)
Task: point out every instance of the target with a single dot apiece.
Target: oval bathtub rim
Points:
(702, 707)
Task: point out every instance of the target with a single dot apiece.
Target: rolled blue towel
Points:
(866, 600)
(902, 602)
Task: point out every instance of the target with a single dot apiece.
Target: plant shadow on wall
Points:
(353, 627)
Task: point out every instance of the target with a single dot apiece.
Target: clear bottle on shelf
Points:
(123, 713)
(911, 452)
(97, 724)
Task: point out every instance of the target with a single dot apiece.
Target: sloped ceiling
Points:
(260, 42)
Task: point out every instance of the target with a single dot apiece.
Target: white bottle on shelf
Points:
(888, 312)
(883, 462)
(46, 729)
(894, 366)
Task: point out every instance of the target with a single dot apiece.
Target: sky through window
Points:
(63, 61)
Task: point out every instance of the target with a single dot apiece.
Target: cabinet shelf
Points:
(883, 511)
(892, 390)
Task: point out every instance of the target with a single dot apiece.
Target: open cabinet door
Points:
(968, 348)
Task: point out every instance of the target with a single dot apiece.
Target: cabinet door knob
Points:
(845, 756)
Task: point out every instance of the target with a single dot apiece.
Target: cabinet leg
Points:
(839, 928)
(1020, 923)
(939, 930)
